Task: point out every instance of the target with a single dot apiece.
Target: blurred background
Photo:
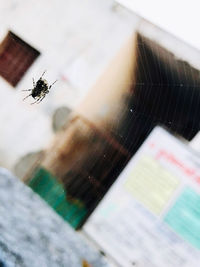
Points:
(123, 68)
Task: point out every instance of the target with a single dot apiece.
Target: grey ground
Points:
(32, 235)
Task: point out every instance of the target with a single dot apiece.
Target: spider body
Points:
(40, 89)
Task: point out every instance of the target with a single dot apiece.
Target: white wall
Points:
(76, 39)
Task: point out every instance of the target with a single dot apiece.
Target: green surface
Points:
(47, 186)
(184, 217)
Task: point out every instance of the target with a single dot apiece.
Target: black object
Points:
(40, 89)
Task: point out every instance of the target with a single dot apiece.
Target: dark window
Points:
(16, 56)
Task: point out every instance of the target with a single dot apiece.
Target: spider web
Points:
(164, 92)
(90, 154)
(87, 157)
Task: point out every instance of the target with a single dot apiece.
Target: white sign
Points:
(151, 215)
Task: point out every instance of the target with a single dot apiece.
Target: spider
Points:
(40, 89)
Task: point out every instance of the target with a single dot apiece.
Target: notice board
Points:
(151, 215)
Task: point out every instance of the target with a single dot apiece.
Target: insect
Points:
(40, 89)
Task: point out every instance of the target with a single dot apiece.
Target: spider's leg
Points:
(26, 97)
(38, 100)
(42, 74)
(33, 83)
(41, 99)
(52, 84)
(28, 90)
(35, 101)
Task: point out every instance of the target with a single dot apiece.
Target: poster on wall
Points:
(151, 215)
